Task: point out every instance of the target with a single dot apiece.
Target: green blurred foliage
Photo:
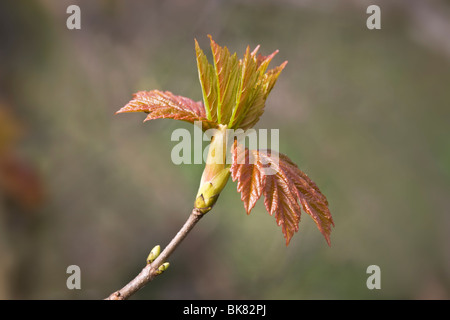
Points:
(365, 113)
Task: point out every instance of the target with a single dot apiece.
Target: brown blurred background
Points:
(365, 113)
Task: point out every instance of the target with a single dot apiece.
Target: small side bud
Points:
(162, 268)
(153, 254)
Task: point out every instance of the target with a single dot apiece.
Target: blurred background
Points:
(365, 113)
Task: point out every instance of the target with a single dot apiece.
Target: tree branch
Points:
(151, 270)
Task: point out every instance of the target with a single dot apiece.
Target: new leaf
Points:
(159, 104)
(285, 187)
(235, 91)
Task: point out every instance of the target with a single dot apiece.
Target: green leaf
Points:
(208, 82)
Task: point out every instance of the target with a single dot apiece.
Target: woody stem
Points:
(150, 271)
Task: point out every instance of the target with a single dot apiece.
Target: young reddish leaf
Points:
(250, 179)
(312, 200)
(285, 188)
(281, 203)
(159, 104)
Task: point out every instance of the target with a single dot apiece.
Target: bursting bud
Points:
(216, 173)
(153, 254)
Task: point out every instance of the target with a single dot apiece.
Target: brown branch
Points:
(151, 270)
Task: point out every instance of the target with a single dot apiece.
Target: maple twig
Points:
(151, 270)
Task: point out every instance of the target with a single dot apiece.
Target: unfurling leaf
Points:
(208, 80)
(235, 91)
(227, 78)
(159, 104)
(285, 187)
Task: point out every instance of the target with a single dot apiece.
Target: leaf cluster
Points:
(234, 95)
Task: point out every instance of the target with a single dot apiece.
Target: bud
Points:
(216, 173)
(153, 254)
(162, 268)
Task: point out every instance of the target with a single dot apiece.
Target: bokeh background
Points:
(365, 113)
